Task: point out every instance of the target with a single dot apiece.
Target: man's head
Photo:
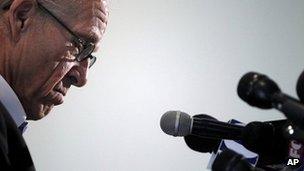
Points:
(40, 45)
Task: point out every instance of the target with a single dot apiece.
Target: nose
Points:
(77, 76)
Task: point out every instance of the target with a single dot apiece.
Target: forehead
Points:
(86, 18)
(90, 20)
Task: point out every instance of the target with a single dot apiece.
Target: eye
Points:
(71, 52)
(77, 48)
(75, 51)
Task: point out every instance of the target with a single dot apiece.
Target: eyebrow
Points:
(88, 39)
(91, 37)
(57, 19)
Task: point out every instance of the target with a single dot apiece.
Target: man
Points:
(45, 48)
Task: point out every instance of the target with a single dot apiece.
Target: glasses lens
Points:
(86, 52)
(92, 61)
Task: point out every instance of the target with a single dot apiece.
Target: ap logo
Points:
(293, 162)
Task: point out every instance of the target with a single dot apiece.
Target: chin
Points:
(38, 112)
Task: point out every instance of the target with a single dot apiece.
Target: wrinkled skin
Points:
(37, 54)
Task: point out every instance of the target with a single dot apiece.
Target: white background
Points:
(168, 55)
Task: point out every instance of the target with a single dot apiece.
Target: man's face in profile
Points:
(47, 66)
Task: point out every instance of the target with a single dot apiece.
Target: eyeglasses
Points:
(85, 48)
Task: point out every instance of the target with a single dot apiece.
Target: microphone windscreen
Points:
(256, 90)
(176, 123)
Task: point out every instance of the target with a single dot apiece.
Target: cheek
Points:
(55, 76)
(46, 64)
(48, 59)
(42, 86)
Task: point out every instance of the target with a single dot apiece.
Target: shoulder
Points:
(13, 150)
(6, 121)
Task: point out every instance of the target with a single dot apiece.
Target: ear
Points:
(20, 15)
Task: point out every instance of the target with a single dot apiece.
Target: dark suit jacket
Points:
(14, 154)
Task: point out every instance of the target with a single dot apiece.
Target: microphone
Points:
(300, 87)
(201, 144)
(267, 139)
(264, 138)
(260, 91)
(229, 160)
(178, 123)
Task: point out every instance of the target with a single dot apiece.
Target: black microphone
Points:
(260, 91)
(300, 87)
(268, 140)
(229, 160)
(264, 138)
(201, 144)
(178, 123)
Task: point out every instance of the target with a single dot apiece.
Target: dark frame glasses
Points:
(85, 49)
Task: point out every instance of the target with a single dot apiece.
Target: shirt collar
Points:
(11, 102)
